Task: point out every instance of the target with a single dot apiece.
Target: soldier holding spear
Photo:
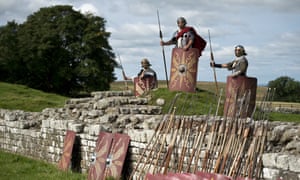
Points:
(188, 48)
(239, 65)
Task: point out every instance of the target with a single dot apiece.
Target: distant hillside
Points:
(14, 96)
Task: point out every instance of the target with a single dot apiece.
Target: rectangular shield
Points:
(240, 96)
(103, 146)
(143, 85)
(184, 68)
(117, 155)
(65, 160)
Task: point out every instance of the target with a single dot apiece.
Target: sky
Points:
(268, 29)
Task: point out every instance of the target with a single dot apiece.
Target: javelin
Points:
(163, 50)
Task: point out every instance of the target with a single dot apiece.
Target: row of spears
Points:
(230, 147)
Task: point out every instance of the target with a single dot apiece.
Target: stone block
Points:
(270, 173)
(92, 130)
(282, 162)
(45, 123)
(269, 159)
(140, 135)
(294, 163)
(78, 128)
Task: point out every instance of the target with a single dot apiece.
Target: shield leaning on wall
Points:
(117, 155)
(184, 68)
(65, 160)
(103, 146)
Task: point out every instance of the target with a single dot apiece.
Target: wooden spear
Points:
(203, 133)
(184, 148)
(235, 166)
(156, 136)
(171, 147)
(123, 72)
(163, 139)
(209, 144)
(163, 50)
(213, 62)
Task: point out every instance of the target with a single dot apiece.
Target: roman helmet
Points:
(182, 19)
(242, 48)
(145, 62)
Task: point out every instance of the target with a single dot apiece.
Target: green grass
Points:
(18, 167)
(13, 96)
(285, 117)
(199, 103)
(204, 100)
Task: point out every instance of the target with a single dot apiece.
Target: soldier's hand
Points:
(212, 64)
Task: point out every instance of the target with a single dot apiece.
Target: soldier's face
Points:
(180, 24)
(238, 52)
(144, 65)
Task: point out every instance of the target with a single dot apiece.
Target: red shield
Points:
(214, 176)
(184, 68)
(237, 88)
(103, 145)
(117, 155)
(143, 85)
(64, 162)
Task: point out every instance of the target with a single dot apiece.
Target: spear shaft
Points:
(212, 62)
(123, 71)
(163, 49)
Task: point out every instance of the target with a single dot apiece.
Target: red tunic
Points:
(199, 42)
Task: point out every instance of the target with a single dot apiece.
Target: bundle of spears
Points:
(230, 146)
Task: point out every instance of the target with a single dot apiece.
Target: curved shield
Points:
(103, 146)
(184, 68)
(240, 96)
(116, 158)
(65, 160)
(143, 85)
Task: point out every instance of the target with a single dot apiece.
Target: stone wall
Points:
(41, 134)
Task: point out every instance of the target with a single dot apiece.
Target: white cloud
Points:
(269, 30)
(88, 8)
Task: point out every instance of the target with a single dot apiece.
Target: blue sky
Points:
(268, 29)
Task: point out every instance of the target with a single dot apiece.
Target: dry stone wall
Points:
(40, 135)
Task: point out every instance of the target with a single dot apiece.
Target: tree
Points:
(287, 89)
(65, 52)
(10, 64)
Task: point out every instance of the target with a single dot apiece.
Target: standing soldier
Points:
(185, 37)
(239, 86)
(239, 65)
(184, 65)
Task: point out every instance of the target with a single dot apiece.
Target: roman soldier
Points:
(239, 65)
(186, 37)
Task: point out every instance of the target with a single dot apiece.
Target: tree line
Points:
(59, 50)
(286, 89)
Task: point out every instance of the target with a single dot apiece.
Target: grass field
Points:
(14, 96)
(15, 167)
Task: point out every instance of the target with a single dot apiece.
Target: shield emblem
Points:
(144, 85)
(65, 160)
(103, 146)
(184, 68)
(240, 96)
(117, 155)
